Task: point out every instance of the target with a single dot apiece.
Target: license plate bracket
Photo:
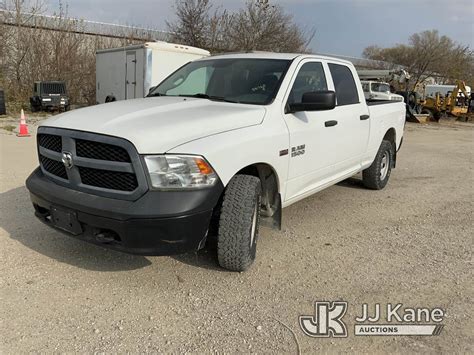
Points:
(66, 220)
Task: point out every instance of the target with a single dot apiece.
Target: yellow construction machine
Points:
(454, 103)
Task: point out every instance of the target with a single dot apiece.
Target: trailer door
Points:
(131, 76)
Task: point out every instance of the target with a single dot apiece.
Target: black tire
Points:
(374, 177)
(238, 221)
(430, 114)
(412, 100)
(437, 116)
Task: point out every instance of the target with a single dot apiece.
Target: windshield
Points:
(381, 87)
(250, 81)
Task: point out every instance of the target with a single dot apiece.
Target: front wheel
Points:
(376, 176)
(238, 223)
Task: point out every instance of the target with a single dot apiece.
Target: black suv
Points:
(48, 96)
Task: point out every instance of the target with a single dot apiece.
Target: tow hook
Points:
(104, 237)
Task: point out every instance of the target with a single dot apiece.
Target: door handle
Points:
(364, 117)
(330, 123)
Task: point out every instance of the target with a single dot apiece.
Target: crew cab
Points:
(217, 149)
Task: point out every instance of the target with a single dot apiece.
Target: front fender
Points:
(231, 151)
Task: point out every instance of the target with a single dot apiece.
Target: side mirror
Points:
(315, 101)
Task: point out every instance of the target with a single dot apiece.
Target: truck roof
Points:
(273, 55)
(162, 46)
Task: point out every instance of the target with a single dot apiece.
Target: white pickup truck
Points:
(376, 90)
(218, 148)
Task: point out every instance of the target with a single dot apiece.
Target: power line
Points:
(73, 25)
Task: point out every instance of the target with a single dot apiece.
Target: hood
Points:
(158, 124)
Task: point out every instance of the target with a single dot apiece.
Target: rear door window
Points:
(344, 84)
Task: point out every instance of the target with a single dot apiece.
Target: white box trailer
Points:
(129, 72)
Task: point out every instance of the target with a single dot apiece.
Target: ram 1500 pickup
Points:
(217, 149)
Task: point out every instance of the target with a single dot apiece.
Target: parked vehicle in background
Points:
(449, 100)
(49, 96)
(219, 147)
(397, 78)
(377, 90)
(129, 72)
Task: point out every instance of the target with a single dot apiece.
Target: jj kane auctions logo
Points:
(391, 320)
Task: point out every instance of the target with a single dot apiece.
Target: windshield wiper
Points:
(156, 94)
(210, 97)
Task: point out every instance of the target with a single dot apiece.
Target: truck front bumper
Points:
(158, 223)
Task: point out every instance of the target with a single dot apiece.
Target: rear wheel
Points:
(428, 112)
(34, 106)
(376, 176)
(238, 223)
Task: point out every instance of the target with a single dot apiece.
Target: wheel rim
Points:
(254, 226)
(384, 165)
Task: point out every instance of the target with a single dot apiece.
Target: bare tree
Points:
(193, 22)
(428, 54)
(260, 25)
(263, 26)
(15, 46)
(35, 48)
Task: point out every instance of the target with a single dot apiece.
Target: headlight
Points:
(179, 171)
(46, 99)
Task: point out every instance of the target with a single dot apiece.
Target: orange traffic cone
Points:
(23, 127)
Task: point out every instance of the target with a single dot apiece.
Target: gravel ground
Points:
(410, 243)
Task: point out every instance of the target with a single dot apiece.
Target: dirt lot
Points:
(410, 243)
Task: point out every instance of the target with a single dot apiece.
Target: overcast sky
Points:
(343, 27)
